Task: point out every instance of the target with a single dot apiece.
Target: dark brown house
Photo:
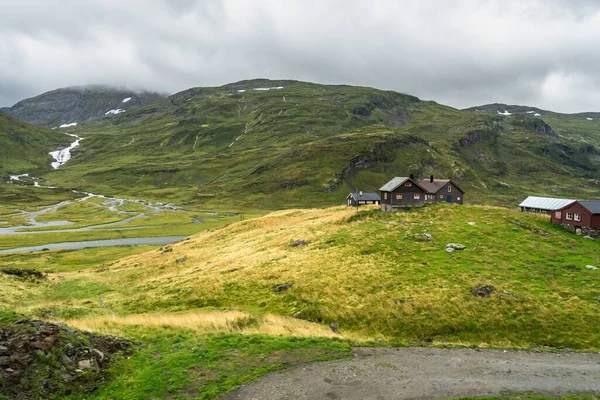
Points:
(442, 191)
(579, 214)
(401, 192)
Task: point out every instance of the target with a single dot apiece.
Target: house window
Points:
(558, 215)
(398, 196)
(458, 199)
(385, 196)
(441, 196)
(577, 217)
(449, 188)
(569, 216)
(416, 196)
(408, 184)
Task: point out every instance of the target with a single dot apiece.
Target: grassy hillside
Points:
(370, 272)
(24, 148)
(78, 104)
(302, 144)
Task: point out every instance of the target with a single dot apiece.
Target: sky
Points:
(461, 52)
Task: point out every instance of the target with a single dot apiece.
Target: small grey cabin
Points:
(355, 199)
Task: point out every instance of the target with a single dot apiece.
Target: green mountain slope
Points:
(24, 148)
(79, 104)
(301, 144)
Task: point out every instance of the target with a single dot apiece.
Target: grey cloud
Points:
(541, 53)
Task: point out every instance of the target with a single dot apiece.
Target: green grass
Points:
(318, 144)
(184, 365)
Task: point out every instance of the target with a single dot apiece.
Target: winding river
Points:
(61, 157)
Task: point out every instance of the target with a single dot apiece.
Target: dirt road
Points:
(426, 373)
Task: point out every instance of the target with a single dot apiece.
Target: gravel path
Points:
(427, 373)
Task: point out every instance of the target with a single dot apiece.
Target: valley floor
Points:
(429, 373)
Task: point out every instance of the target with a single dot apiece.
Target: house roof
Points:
(368, 196)
(545, 203)
(436, 185)
(592, 205)
(397, 181)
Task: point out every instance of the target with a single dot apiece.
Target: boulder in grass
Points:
(455, 246)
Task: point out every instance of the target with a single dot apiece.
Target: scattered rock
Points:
(506, 294)
(588, 237)
(450, 249)
(334, 326)
(297, 314)
(283, 287)
(471, 223)
(402, 301)
(483, 290)
(427, 236)
(180, 260)
(299, 242)
(591, 267)
(455, 246)
(85, 364)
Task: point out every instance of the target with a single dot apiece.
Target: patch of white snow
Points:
(241, 90)
(125, 100)
(68, 125)
(590, 119)
(114, 112)
(530, 112)
(504, 113)
(537, 115)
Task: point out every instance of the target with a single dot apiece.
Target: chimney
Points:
(431, 178)
(360, 193)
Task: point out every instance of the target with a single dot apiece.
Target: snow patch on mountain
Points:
(537, 115)
(504, 113)
(68, 125)
(590, 119)
(114, 112)
(125, 100)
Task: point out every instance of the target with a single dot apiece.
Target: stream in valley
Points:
(61, 156)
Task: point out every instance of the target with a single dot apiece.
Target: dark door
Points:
(449, 198)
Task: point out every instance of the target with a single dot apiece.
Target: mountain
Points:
(79, 104)
(273, 144)
(24, 148)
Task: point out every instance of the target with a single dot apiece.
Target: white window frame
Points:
(458, 199)
(417, 196)
(398, 196)
(449, 188)
(577, 217)
(408, 184)
(558, 215)
(569, 216)
(442, 196)
(385, 195)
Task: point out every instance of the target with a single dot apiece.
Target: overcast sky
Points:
(539, 53)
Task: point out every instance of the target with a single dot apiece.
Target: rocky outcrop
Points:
(534, 124)
(44, 360)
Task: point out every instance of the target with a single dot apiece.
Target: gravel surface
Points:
(427, 373)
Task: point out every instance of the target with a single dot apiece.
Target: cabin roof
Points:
(397, 181)
(592, 205)
(368, 196)
(545, 203)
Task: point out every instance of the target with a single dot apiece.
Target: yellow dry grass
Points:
(206, 322)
